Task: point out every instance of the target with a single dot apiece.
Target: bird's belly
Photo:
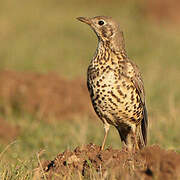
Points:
(116, 100)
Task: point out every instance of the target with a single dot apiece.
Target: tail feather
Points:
(126, 133)
(142, 130)
(144, 125)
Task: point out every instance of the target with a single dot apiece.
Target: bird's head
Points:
(106, 29)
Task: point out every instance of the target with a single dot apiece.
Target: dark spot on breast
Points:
(131, 86)
(104, 70)
(133, 119)
(139, 106)
(138, 113)
(137, 98)
(113, 95)
(127, 107)
(97, 90)
(111, 101)
(132, 97)
(104, 85)
(97, 83)
(99, 101)
(120, 92)
(96, 97)
(124, 83)
(128, 87)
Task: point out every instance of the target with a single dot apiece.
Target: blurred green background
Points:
(44, 36)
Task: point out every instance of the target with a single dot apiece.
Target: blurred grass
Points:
(43, 36)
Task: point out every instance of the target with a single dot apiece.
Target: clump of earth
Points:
(89, 162)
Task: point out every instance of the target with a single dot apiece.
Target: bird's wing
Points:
(136, 79)
(134, 75)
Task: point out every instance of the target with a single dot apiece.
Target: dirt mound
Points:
(45, 95)
(89, 162)
(163, 10)
(6, 127)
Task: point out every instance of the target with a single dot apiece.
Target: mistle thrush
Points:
(115, 85)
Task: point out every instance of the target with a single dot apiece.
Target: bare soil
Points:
(88, 161)
(8, 132)
(163, 10)
(47, 96)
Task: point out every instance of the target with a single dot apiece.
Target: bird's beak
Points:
(85, 20)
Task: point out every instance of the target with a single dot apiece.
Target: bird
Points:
(116, 86)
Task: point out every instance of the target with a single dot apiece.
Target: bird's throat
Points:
(106, 53)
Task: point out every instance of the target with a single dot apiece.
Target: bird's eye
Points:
(100, 22)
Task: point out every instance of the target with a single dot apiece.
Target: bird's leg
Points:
(134, 140)
(124, 147)
(106, 128)
(131, 139)
(136, 146)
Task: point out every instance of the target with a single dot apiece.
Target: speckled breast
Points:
(114, 97)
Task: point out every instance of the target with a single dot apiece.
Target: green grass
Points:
(43, 36)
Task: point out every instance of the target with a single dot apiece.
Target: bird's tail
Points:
(142, 130)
